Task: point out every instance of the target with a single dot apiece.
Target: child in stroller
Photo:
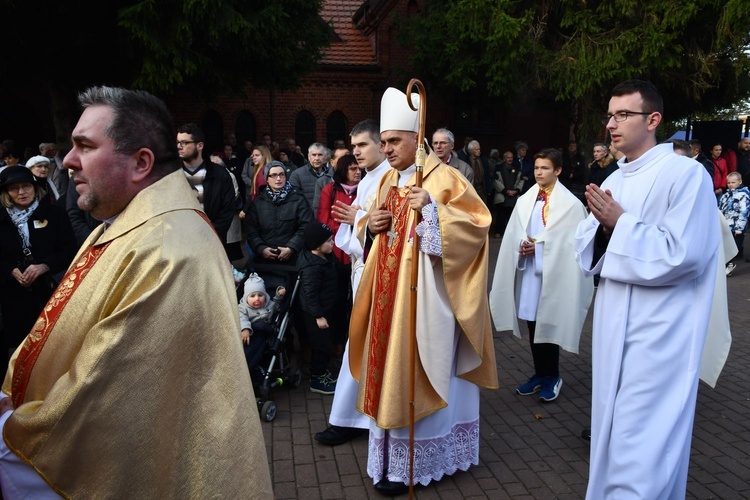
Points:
(257, 313)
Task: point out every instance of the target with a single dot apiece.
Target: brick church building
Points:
(364, 58)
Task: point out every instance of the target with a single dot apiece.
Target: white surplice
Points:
(343, 409)
(651, 314)
(562, 295)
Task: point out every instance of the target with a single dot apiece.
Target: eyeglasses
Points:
(41, 165)
(20, 187)
(621, 116)
(273, 176)
(182, 144)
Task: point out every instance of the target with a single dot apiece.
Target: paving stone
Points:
(521, 456)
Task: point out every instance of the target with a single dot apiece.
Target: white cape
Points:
(566, 291)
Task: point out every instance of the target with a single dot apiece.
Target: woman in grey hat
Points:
(277, 219)
(36, 242)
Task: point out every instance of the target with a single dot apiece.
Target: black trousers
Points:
(321, 340)
(546, 356)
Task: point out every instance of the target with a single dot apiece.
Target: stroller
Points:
(274, 369)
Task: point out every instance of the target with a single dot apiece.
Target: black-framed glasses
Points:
(182, 144)
(275, 175)
(621, 116)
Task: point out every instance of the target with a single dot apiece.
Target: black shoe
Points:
(391, 489)
(586, 434)
(335, 435)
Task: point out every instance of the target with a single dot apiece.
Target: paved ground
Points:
(528, 450)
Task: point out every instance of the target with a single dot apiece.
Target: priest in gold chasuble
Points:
(455, 352)
(133, 383)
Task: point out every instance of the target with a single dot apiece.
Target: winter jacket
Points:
(281, 225)
(218, 198)
(320, 284)
(52, 243)
(303, 180)
(735, 205)
(249, 315)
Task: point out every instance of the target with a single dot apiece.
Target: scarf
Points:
(348, 189)
(543, 196)
(20, 217)
(278, 197)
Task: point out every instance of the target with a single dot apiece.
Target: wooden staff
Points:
(419, 160)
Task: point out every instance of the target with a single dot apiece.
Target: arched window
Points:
(245, 127)
(304, 130)
(336, 128)
(213, 127)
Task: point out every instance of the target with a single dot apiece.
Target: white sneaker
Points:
(730, 268)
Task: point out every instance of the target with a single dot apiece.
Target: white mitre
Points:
(395, 112)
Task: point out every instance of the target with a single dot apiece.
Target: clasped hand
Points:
(380, 219)
(30, 275)
(604, 208)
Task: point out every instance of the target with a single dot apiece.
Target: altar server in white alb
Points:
(346, 422)
(653, 235)
(537, 279)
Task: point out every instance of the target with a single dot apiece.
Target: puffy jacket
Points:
(319, 277)
(281, 225)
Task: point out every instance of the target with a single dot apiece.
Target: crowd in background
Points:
(261, 196)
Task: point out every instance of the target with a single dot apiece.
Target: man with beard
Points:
(211, 183)
(739, 160)
(133, 382)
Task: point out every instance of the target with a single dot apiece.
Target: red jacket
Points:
(720, 173)
(331, 193)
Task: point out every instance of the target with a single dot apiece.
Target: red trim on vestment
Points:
(35, 340)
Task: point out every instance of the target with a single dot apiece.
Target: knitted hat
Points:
(316, 233)
(255, 283)
(16, 174)
(36, 160)
(395, 112)
(270, 164)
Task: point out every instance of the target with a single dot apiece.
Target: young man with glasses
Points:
(653, 235)
(211, 183)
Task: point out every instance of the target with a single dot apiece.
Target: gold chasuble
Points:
(133, 383)
(379, 328)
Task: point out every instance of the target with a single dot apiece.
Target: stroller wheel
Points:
(296, 378)
(268, 411)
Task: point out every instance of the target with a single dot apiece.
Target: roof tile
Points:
(354, 48)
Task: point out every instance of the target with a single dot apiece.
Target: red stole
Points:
(47, 320)
(386, 282)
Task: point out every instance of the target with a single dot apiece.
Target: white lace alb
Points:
(433, 458)
(430, 241)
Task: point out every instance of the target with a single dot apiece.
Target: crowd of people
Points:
(347, 218)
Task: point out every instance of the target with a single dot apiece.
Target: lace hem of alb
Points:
(433, 458)
(430, 241)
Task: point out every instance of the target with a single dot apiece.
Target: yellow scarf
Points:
(544, 196)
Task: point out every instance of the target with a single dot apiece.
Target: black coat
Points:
(321, 286)
(597, 174)
(52, 243)
(281, 225)
(219, 198)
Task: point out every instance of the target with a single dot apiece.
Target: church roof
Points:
(350, 46)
